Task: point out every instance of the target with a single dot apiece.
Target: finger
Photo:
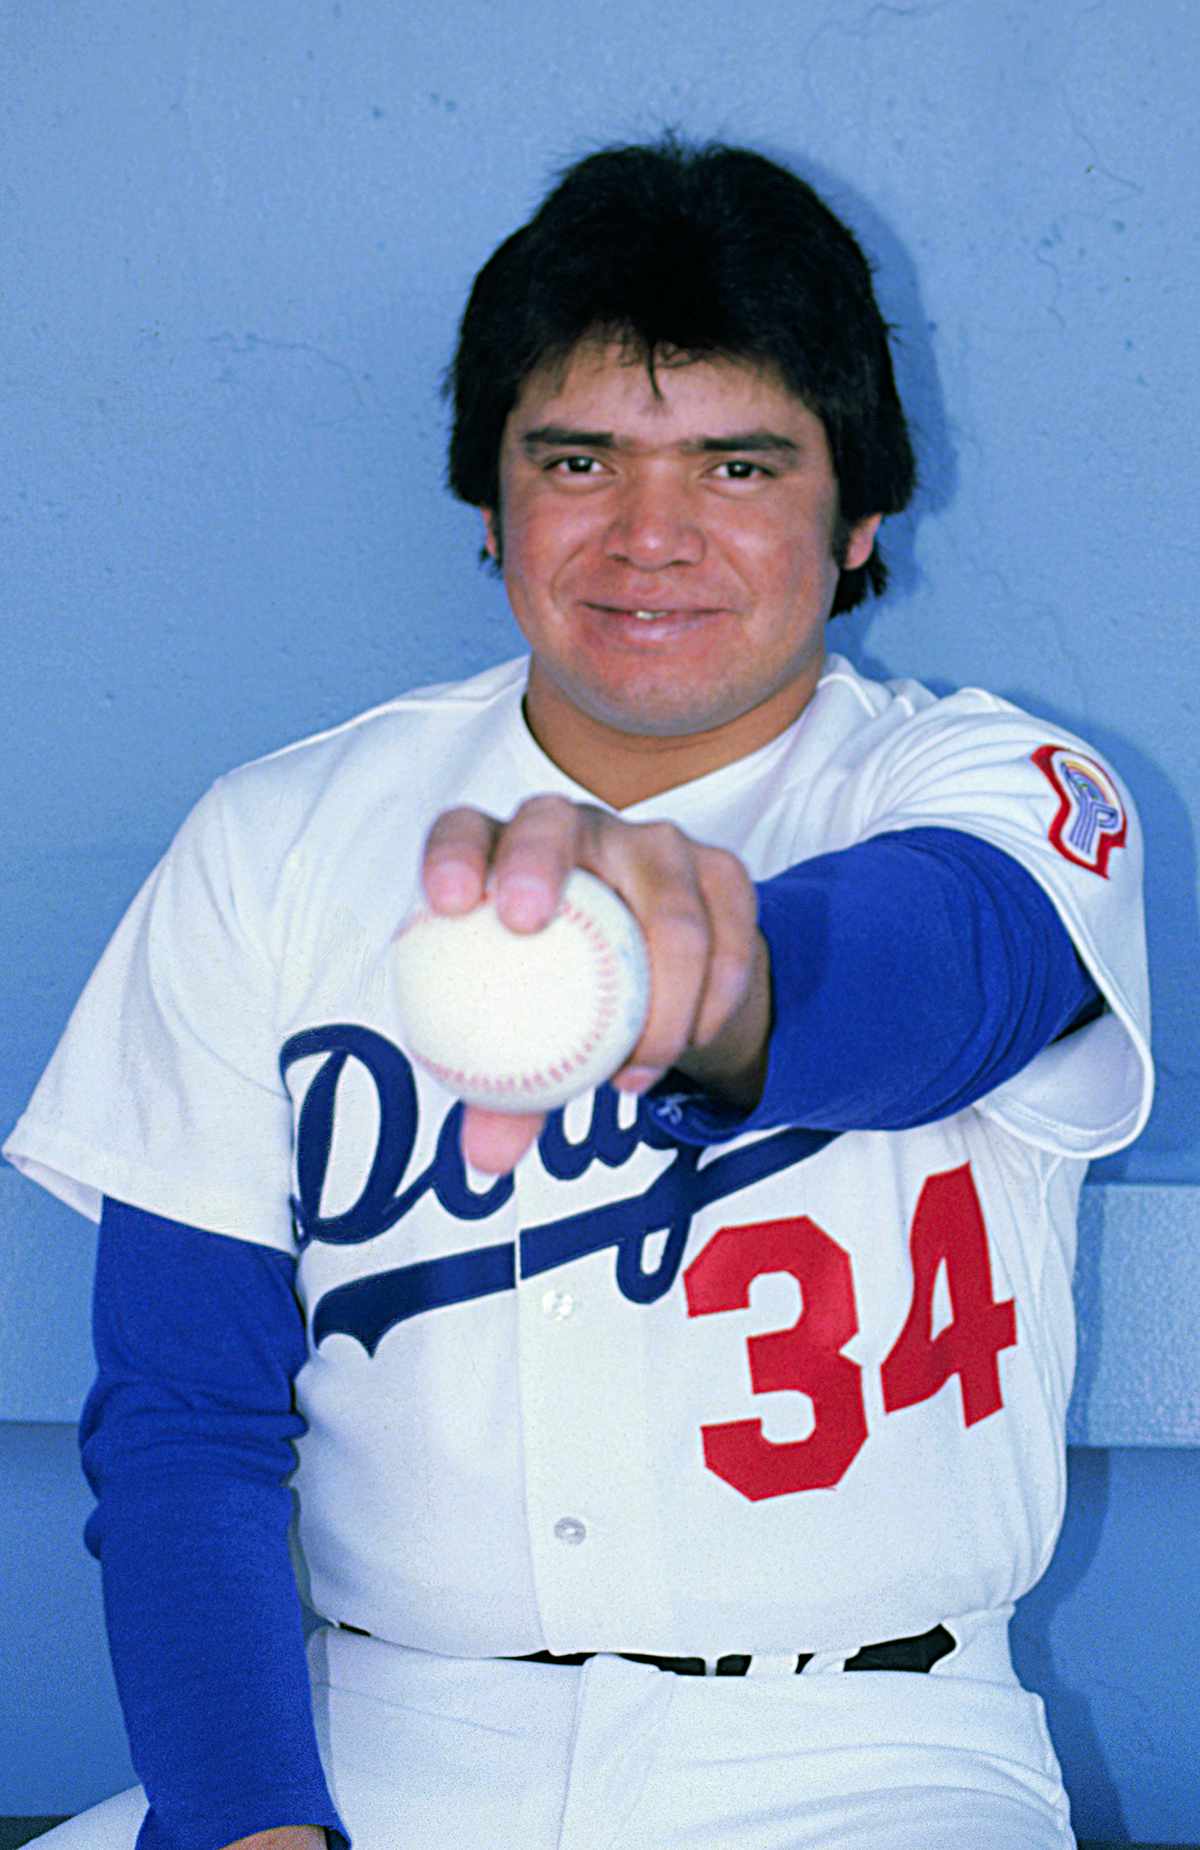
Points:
(732, 905)
(731, 1036)
(495, 1141)
(664, 891)
(532, 857)
(704, 950)
(457, 855)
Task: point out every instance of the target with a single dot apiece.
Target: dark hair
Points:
(703, 252)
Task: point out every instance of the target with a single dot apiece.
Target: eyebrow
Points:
(558, 436)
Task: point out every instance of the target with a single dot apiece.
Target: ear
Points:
(491, 534)
(861, 542)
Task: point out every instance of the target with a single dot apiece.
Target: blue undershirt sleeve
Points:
(186, 1440)
(911, 974)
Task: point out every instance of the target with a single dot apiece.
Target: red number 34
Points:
(948, 1228)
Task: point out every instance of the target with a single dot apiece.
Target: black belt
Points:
(920, 1653)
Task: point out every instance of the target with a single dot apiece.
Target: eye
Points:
(572, 465)
(738, 469)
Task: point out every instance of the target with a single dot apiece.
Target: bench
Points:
(1110, 1637)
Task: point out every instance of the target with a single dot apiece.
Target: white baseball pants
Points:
(433, 1753)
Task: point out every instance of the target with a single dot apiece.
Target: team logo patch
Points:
(1090, 821)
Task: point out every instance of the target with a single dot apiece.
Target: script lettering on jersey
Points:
(367, 1308)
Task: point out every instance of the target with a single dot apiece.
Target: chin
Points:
(658, 719)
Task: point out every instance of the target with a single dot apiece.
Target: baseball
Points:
(524, 1021)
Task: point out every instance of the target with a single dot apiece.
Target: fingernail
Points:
(450, 885)
(523, 902)
(637, 1079)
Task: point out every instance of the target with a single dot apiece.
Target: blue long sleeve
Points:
(186, 1441)
(911, 974)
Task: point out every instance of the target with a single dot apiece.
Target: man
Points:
(669, 1466)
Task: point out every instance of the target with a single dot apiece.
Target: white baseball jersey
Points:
(780, 1393)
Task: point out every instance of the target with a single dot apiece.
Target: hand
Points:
(710, 989)
(284, 1837)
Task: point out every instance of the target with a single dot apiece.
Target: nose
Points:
(654, 525)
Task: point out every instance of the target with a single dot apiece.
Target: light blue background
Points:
(236, 238)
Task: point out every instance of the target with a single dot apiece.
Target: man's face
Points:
(669, 557)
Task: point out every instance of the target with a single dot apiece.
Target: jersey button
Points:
(558, 1304)
(570, 1529)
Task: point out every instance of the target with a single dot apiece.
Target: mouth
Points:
(647, 614)
(641, 627)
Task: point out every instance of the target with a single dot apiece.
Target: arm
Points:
(886, 985)
(287, 1837)
(911, 974)
(186, 1440)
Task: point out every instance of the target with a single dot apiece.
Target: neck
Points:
(625, 768)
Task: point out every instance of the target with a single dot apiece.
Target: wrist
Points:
(284, 1837)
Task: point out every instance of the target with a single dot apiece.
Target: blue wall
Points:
(236, 241)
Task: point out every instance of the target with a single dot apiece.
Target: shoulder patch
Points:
(1090, 821)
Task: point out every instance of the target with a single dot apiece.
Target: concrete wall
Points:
(235, 243)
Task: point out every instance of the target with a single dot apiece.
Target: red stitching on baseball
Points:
(505, 1085)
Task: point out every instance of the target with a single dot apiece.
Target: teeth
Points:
(648, 616)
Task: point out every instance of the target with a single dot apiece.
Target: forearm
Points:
(912, 975)
(207, 1647)
(186, 1440)
(906, 978)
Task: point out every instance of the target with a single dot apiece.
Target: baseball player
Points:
(663, 1470)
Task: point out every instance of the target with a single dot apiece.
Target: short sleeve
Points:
(164, 1089)
(974, 763)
